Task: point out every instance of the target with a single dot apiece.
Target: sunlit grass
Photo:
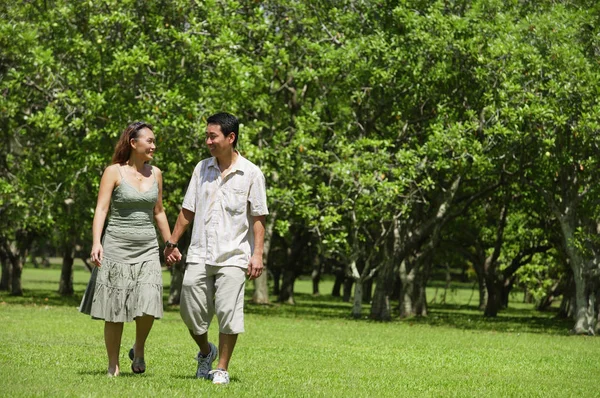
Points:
(314, 348)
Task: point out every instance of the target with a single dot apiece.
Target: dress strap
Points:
(119, 168)
(152, 171)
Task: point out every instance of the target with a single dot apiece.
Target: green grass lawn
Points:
(311, 349)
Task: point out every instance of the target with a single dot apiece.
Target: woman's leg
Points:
(112, 338)
(143, 324)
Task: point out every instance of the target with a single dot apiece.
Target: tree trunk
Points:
(288, 277)
(505, 290)
(16, 252)
(584, 300)
(339, 275)
(348, 282)
(481, 285)
(87, 264)
(6, 270)
(414, 283)
(420, 288)
(406, 244)
(17, 269)
(293, 266)
(414, 275)
(384, 291)
(567, 304)
(65, 286)
(261, 289)
(367, 294)
(508, 274)
(286, 295)
(380, 306)
(316, 274)
(584, 296)
(407, 276)
(357, 305)
(597, 325)
(493, 278)
(276, 271)
(493, 297)
(552, 294)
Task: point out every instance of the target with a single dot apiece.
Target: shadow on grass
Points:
(36, 297)
(466, 317)
(93, 373)
(232, 379)
(50, 297)
(510, 320)
(53, 283)
(103, 373)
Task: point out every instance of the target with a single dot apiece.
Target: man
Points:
(226, 200)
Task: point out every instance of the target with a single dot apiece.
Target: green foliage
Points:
(357, 112)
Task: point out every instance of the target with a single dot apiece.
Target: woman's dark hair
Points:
(123, 148)
(229, 124)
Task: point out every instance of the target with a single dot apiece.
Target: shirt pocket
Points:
(235, 200)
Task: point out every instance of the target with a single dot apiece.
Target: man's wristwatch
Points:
(170, 244)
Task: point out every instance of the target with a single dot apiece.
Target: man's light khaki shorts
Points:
(208, 290)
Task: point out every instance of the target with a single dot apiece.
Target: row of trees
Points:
(394, 135)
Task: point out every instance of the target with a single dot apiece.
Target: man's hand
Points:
(172, 255)
(255, 268)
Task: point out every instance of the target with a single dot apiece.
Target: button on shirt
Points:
(224, 207)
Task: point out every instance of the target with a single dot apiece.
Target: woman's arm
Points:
(110, 177)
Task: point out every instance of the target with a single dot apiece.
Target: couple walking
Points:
(225, 201)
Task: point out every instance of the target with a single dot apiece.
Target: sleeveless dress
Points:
(129, 282)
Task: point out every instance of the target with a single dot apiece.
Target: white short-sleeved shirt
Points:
(222, 233)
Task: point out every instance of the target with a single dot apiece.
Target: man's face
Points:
(217, 143)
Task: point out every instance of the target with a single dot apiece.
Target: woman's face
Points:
(144, 145)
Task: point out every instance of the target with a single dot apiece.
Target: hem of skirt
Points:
(95, 318)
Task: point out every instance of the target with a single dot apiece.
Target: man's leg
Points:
(201, 341)
(197, 305)
(229, 307)
(197, 309)
(226, 346)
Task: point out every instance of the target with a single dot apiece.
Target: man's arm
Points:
(172, 254)
(255, 268)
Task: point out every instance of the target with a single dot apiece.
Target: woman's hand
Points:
(172, 255)
(97, 253)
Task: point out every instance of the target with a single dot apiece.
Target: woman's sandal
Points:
(137, 365)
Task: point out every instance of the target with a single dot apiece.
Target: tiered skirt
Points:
(121, 292)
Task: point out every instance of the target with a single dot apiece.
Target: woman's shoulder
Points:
(155, 170)
(113, 169)
(112, 174)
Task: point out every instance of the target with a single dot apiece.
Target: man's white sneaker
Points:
(205, 363)
(219, 376)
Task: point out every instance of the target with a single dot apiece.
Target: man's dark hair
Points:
(228, 123)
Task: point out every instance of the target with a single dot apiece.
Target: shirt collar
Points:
(237, 166)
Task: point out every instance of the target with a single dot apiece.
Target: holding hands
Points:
(172, 255)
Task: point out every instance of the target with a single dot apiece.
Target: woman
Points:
(128, 278)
